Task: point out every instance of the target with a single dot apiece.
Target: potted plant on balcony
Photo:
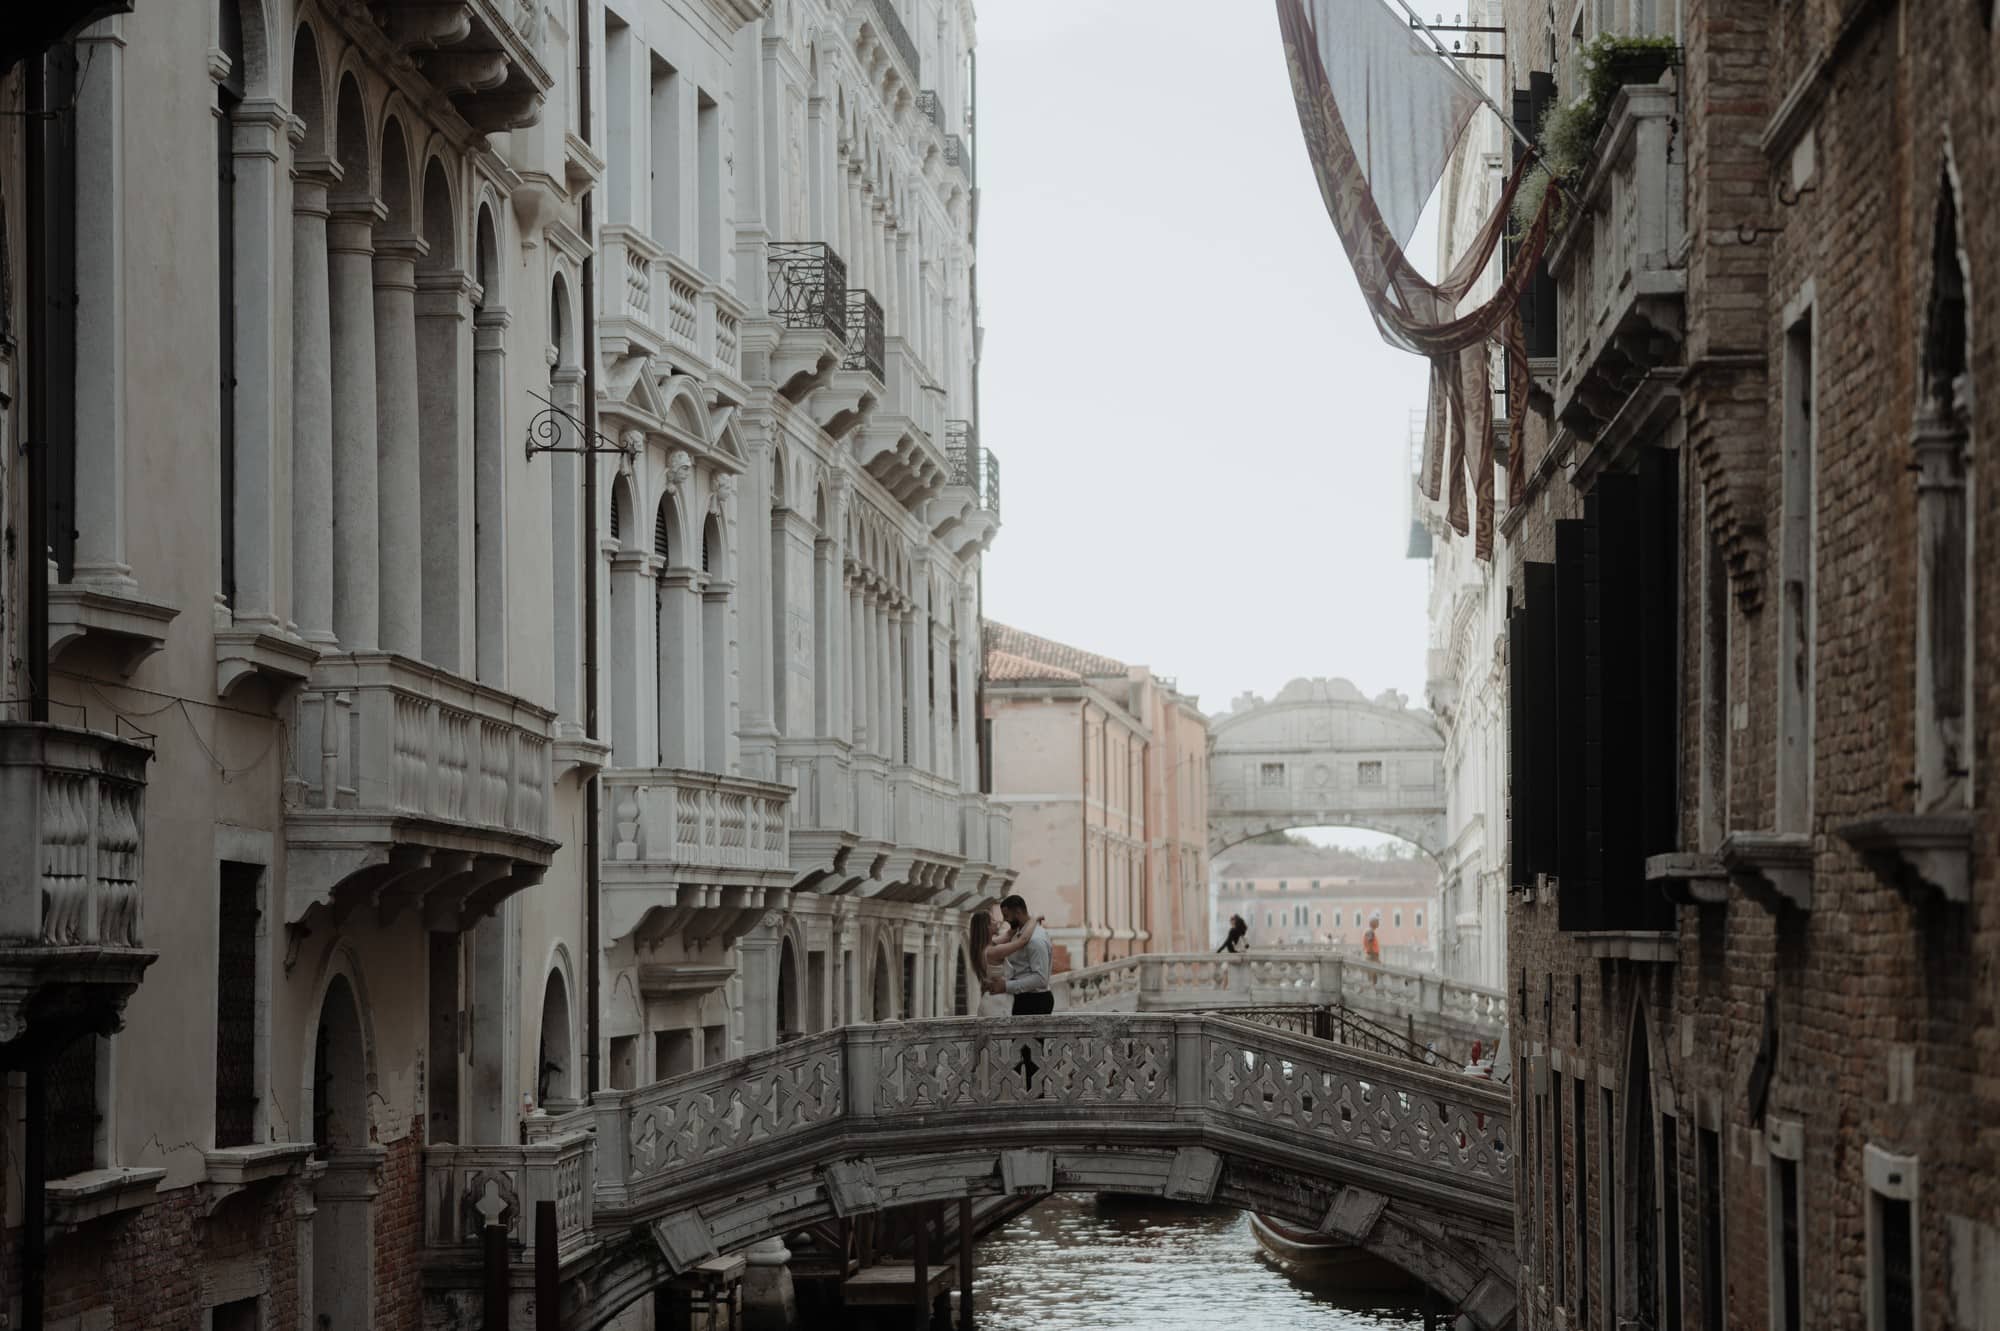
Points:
(1567, 138)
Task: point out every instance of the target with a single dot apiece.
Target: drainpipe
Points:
(587, 328)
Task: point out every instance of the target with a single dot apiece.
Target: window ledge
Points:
(1921, 855)
(1774, 869)
(1649, 945)
(96, 1193)
(1690, 879)
(231, 1169)
(112, 615)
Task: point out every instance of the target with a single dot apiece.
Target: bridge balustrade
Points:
(861, 1118)
(1153, 982)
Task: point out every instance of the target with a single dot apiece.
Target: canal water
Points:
(1081, 1264)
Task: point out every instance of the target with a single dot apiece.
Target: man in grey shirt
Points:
(1027, 970)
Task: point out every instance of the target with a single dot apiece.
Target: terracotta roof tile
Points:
(1002, 667)
(1074, 662)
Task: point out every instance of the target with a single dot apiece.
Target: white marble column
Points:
(444, 308)
(916, 646)
(968, 699)
(312, 412)
(356, 555)
(101, 285)
(263, 550)
(715, 701)
(631, 612)
(489, 508)
(399, 475)
(680, 668)
(885, 678)
(857, 638)
(944, 761)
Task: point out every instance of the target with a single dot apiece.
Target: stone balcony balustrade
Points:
(72, 817)
(670, 309)
(863, 826)
(692, 853)
(472, 1187)
(413, 787)
(1618, 265)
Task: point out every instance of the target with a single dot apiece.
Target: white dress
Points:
(996, 1005)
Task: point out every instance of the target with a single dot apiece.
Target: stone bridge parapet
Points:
(1434, 1009)
(1404, 1160)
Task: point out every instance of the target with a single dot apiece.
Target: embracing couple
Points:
(1015, 954)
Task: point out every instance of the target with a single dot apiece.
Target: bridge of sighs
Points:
(1409, 1161)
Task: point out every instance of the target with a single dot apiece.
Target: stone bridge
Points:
(1410, 1162)
(1322, 754)
(1432, 1010)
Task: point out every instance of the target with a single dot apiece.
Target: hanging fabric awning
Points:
(1382, 113)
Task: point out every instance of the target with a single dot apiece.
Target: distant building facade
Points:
(1104, 768)
(1303, 896)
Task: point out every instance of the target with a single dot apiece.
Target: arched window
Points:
(555, 1064)
(715, 700)
(1941, 443)
(489, 471)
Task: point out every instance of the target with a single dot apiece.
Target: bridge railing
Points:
(1167, 981)
(663, 1147)
(471, 1187)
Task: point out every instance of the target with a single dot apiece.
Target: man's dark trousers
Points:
(1034, 1005)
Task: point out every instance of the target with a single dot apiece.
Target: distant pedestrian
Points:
(1029, 968)
(1371, 946)
(1237, 929)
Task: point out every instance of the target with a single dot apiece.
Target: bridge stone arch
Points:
(1323, 754)
(1407, 1162)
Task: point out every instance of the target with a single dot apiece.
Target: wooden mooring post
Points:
(920, 1268)
(965, 1242)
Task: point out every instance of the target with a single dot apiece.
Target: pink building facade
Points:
(1104, 767)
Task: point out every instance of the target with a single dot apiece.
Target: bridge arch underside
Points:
(1460, 1246)
(1424, 829)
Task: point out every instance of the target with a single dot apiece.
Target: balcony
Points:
(958, 154)
(668, 309)
(692, 853)
(866, 338)
(485, 55)
(468, 1188)
(968, 511)
(898, 443)
(1619, 272)
(886, 52)
(414, 788)
(73, 815)
(806, 295)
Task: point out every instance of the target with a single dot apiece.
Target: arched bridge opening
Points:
(1408, 1162)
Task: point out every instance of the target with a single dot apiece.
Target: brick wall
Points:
(1887, 1015)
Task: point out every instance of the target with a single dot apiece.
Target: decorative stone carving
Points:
(680, 469)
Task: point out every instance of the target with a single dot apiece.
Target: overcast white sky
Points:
(1202, 441)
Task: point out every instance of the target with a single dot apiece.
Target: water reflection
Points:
(1074, 1264)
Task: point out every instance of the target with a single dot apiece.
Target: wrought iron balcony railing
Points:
(972, 466)
(899, 37)
(929, 107)
(957, 154)
(808, 287)
(867, 342)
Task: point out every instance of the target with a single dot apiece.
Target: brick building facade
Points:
(1754, 917)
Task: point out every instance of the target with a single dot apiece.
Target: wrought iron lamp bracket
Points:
(1749, 234)
(552, 424)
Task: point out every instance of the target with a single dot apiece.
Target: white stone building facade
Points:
(325, 263)
(1467, 685)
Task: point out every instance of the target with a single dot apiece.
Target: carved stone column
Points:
(351, 281)
(399, 479)
(312, 409)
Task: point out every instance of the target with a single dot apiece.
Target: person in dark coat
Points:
(1236, 931)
